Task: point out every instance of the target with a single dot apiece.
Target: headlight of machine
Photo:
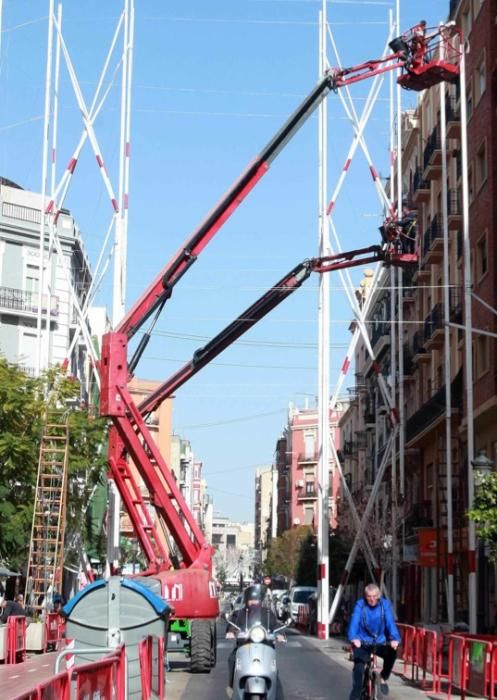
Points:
(257, 634)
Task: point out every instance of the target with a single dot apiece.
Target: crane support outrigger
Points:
(184, 570)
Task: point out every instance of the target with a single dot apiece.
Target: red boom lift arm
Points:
(130, 435)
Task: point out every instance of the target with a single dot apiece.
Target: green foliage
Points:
(21, 411)
(288, 551)
(484, 511)
(23, 403)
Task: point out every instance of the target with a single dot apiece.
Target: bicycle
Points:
(371, 679)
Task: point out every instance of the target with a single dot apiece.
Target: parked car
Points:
(298, 595)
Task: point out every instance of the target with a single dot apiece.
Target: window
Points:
(231, 540)
(32, 279)
(467, 22)
(469, 99)
(481, 166)
(480, 81)
(308, 516)
(481, 257)
(482, 354)
(471, 184)
(309, 443)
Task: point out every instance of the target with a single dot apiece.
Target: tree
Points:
(21, 411)
(286, 552)
(23, 405)
(484, 511)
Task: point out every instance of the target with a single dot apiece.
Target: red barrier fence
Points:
(408, 647)
(16, 640)
(302, 616)
(104, 679)
(52, 634)
(100, 678)
(151, 655)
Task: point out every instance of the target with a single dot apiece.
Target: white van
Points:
(298, 595)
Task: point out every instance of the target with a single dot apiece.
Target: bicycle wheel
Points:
(375, 686)
(366, 684)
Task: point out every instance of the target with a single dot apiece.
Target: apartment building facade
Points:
(20, 217)
(296, 461)
(433, 352)
(265, 507)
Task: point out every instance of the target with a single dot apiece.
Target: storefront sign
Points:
(428, 547)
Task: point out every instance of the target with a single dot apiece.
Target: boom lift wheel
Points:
(200, 646)
(213, 643)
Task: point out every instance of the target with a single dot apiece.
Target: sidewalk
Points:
(399, 687)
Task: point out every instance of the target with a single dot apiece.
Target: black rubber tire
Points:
(213, 643)
(200, 646)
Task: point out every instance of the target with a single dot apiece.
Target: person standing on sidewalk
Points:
(372, 625)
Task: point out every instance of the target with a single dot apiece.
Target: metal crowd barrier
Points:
(16, 640)
(471, 662)
(54, 627)
(151, 655)
(302, 616)
(105, 678)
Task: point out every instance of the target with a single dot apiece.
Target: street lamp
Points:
(482, 463)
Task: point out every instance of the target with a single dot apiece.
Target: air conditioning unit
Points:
(299, 484)
(296, 521)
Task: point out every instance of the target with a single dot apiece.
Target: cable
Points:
(229, 421)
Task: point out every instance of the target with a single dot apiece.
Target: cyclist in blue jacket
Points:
(372, 624)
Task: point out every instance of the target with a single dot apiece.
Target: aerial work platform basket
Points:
(432, 55)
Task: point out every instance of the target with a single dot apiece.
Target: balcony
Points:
(432, 156)
(19, 302)
(409, 287)
(454, 209)
(308, 492)
(433, 242)
(420, 353)
(434, 409)
(455, 304)
(421, 188)
(434, 328)
(452, 118)
(380, 337)
(361, 439)
(307, 458)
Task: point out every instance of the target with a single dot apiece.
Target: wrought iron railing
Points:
(454, 204)
(433, 144)
(433, 232)
(434, 321)
(419, 183)
(434, 408)
(19, 300)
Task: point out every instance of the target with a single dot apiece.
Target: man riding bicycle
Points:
(372, 626)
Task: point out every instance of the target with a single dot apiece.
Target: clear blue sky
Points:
(213, 81)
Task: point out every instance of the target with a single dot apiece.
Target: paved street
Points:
(309, 669)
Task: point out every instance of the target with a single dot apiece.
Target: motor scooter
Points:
(256, 673)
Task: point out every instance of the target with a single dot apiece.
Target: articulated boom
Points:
(190, 587)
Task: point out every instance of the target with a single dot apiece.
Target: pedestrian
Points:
(372, 626)
(11, 608)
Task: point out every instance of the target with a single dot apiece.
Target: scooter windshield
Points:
(257, 614)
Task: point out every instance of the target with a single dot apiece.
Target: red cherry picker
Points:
(179, 558)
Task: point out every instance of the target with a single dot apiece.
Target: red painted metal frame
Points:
(131, 435)
(270, 299)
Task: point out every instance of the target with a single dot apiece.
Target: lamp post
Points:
(482, 466)
(482, 463)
